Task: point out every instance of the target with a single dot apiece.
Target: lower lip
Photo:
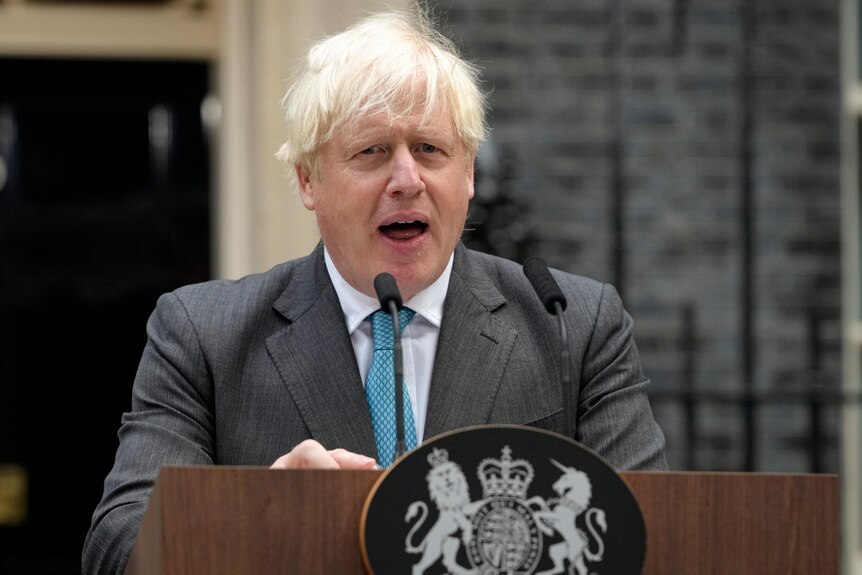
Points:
(405, 245)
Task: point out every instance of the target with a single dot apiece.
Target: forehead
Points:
(418, 122)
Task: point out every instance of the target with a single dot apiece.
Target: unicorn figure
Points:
(559, 514)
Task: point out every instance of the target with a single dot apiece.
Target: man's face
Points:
(391, 197)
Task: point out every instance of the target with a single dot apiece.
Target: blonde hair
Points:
(388, 63)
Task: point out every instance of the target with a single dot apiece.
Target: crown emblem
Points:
(438, 457)
(504, 477)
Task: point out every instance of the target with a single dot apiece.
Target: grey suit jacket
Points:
(239, 372)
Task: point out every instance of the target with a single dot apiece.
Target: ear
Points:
(306, 187)
(470, 182)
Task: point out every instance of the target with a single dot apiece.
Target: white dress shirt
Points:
(418, 339)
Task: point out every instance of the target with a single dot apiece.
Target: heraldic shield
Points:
(502, 500)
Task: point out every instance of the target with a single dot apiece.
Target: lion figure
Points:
(447, 487)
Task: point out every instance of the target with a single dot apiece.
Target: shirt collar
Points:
(356, 306)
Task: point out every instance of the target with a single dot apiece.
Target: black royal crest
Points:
(496, 500)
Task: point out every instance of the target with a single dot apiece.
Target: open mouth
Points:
(404, 230)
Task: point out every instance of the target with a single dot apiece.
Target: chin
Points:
(412, 283)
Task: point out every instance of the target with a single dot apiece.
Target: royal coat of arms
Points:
(503, 533)
(502, 499)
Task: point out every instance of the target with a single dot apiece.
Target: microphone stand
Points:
(400, 447)
(390, 300)
(565, 371)
(552, 298)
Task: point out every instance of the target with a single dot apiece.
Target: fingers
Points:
(312, 455)
(306, 455)
(349, 460)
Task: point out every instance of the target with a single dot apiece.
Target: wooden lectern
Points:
(254, 521)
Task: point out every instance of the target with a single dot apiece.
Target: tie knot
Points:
(383, 330)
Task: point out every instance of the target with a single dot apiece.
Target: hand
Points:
(312, 455)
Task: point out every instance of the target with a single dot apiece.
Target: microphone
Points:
(387, 292)
(551, 296)
(546, 286)
(390, 301)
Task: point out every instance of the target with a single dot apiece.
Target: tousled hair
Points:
(388, 63)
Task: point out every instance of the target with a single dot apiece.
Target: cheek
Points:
(464, 184)
(460, 204)
(340, 216)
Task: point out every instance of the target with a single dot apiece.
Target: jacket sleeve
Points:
(614, 417)
(170, 423)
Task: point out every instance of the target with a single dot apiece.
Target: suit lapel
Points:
(472, 352)
(315, 358)
(316, 361)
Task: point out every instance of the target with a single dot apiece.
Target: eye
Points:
(428, 148)
(370, 150)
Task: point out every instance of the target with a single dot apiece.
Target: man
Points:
(383, 123)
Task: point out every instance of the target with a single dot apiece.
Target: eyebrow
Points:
(373, 132)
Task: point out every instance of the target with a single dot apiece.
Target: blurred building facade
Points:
(688, 152)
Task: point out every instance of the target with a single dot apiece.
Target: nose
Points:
(405, 178)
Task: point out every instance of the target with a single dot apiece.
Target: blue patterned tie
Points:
(380, 387)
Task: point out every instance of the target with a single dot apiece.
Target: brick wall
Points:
(636, 108)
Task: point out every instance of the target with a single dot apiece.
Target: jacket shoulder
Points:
(247, 300)
(508, 276)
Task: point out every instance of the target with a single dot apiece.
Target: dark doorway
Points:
(104, 205)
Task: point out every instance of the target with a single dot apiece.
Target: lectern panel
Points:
(254, 521)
